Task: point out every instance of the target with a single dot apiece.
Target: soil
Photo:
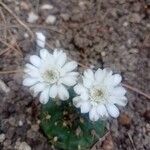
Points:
(96, 33)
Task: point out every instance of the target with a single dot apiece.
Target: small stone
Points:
(125, 120)
(20, 123)
(4, 87)
(35, 127)
(32, 17)
(12, 121)
(2, 137)
(108, 144)
(65, 17)
(24, 146)
(24, 6)
(135, 18)
(46, 7)
(7, 143)
(125, 24)
(50, 19)
(103, 54)
(26, 35)
(134, 50)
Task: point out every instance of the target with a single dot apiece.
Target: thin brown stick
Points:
(10, 46)
(135, 90)
(18, 20)
(131, 140)
(4, 51)
(32, 26)
(10, 71)
(3, 17)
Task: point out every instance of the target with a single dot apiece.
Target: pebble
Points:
(35, 127)
(20, 123)
(12, 121)
(125, 24)
(24, 6)
(4, 87)
(24, 146)
(2, 137)
(65, 16)
(32, 17)
(46, 7)
(50, 19)
(135, 18)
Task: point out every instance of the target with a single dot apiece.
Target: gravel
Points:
(99, 33)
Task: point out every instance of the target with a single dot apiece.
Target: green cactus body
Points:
(67, 129)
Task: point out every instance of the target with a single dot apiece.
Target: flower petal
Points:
(118, 91)
(62, 92)
(77, 101)
(112, 110)
(68, 80)
(53, 91)
(79, 89)
(30, 81)
(113, 80)
(32, 71)
(35, 60)
(93, 115)
(99, 75)
(88, 83)
(39, 87)
(40, 39)
(121, 101)
(56, 53)
(69, 66)
(44, 96)
(85, 107)
(116, 79)
(47, 57)
(84, 96)
(101, 110)
(89, 74)
(61, 59)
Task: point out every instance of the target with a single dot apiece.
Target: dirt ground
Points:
(99, 33)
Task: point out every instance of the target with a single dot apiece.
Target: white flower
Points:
(41, 39)
(49, 75)
(99, 94)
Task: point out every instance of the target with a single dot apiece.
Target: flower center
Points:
(51, 76)
(97, 95)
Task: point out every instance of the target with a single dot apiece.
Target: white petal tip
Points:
(40, 39)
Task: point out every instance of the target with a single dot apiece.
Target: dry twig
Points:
(4, 87)
(11, 46)
(131, 140)
(17, 19)
(136, 90)
(10, 71)
(33, 26)
(3, 17)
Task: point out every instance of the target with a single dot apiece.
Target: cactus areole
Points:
(67, 129)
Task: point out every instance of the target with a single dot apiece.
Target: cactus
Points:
(67, 129)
